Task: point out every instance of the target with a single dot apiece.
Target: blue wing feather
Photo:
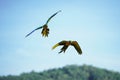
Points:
(52, 16)
(33, 31)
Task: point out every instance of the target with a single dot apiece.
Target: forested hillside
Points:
(70, 72)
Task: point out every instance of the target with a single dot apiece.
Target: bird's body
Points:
(66, 44)
(45, 30)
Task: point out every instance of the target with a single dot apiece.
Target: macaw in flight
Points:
(45, 30)
(66, 44)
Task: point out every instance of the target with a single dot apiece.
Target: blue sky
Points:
(95, 24)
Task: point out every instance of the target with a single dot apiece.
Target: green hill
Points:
(70, 72)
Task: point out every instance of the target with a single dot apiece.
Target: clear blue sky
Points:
(95, 24)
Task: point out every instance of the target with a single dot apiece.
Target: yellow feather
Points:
(55, 46)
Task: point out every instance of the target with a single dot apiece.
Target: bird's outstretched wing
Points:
(33, 31)
(52, 16)
(58, 44)
(76, 46)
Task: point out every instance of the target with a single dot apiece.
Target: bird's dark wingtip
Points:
(60, 11)
(26, 36)
(80, 53)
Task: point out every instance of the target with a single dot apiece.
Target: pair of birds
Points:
(66, 44)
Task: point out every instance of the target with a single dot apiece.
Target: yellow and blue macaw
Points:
(66, 44)
(45, 30)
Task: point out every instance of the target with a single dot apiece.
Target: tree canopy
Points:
(69, 72)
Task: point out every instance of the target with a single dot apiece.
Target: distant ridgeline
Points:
(70, 72)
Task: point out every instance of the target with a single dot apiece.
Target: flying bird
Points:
(45, 30)
(66, 44)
